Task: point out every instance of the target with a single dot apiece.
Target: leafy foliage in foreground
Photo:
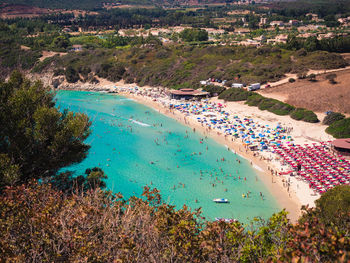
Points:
(40, 224)
(36, 139)
(333, 207)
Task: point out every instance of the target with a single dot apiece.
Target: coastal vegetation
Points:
(235, 94)
(48, 215)
(340, 128)
(213, 89)
(145, 60)
(36, 139)
(41, 224)
(179, 66)
(272, 105)
(304, 115)
(333, 117)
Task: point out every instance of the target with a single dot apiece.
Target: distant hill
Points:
(320, 7)
(61, 4)
(96, 4)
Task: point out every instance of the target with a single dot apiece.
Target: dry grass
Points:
(48, 54)
(319, 96)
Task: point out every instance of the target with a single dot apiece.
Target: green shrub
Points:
(162, 54)
(312, 77)
(332, 117)
(58, 72)
(266, 103)
(103, 69)
(194, 34)
(298, 114)
(340, 129)
(310, 116)
(301, 52)
(235, 94)
(331, 78)
(281, 108)
(301, 75)
(71, 74)
(39, 67)
(214, 89)
(334, 205)
(291, 80)
(304, 115)
(272, 105)
(254, 100)
(112, 72)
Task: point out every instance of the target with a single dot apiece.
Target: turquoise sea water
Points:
(136, 146)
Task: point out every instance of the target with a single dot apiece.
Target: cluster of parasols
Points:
(315, 164)
(213, 116)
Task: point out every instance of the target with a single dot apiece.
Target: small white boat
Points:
(220, 200)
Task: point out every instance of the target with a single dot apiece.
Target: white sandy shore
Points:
(299, 192)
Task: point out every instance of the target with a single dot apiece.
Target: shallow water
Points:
(136, 146)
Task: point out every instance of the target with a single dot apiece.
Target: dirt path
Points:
(319, 96)
(311, 71)
(48, 54)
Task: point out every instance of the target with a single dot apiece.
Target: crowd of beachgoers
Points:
(316, 166)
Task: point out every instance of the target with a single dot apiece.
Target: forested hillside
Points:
(97, 4)
(185, 65)
(64, 4)
(320, 7)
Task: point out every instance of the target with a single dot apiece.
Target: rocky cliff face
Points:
(60, 82)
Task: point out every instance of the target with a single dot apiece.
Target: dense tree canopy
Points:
(191, 34)
(333, 207)
(338, 44)
(36, 139)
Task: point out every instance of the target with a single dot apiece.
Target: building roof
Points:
(342, 143)
(189, 92)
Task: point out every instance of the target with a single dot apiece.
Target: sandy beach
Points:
(286, 200)
(290, 196)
